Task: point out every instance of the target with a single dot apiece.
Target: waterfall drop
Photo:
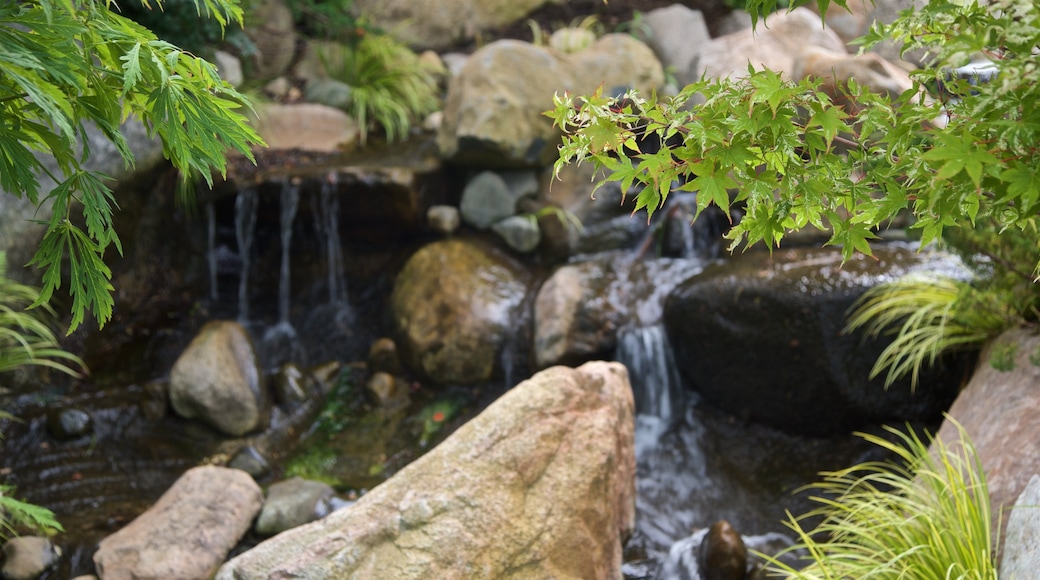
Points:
(651, 367)
(245, 226)
(211, 249)
(328, 223)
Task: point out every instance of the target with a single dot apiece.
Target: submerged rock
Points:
(541, 484)
(217, 379)
(188, 532)
(762, 338)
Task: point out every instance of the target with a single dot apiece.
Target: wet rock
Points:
(541, 484)
(1000, 410)
(217, 380)
(574, 317)
(519, 233)
(776, 44)
(761, 337)
(486, 200)
(387, 390)
(443, 219)
(188, 532)
(722, 554)
(306, 126)
(493, 112)
(452, 305)
(383, 357)
(69, 423)
(684, 560)
(250, 460)
(1021, 552)
(441, 24)
(292, 503)
(328, 92)
(288, 384)
(27, 557)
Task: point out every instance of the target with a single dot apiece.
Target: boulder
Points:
(452, 304)
(217, 380)
(188, 532)
(27, 557)
(776, 44)
(493, 115)
(836, 69)
(1000, 410)
(273, 34)
(485, 200)
(1021, 552)
(441, 24)
(676, 33)
(539, 485)
(762, 338)
(292, 503)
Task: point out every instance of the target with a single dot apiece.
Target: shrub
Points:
(389, 87)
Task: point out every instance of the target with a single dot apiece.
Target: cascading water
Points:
(246, 204)
(651, 366)
(211, 249)
(328, 226)
(280, 343)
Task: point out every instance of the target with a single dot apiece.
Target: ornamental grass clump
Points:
(925, 516)
(388, 85)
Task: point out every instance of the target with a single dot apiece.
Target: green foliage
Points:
(389, 86)
(930, 315)
(17, 515)
(927, 516)
(65, 64)
(177, 22)
(796, 158)
(1003, 356)
(329, 19)
(25, 338)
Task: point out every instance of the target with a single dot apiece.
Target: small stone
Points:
(292, 503)
(251, 461)
(722, 554)
(326, 374)
(26, 557)
(69, 423)
(229, 67)
(443, 219)
(278, 88)
(519, 232)
(289, 385)
(487, 199)
(329, 92)
(383, 357)
(383, 388)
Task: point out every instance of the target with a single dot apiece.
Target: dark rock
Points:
(288, 385)
(155, 400)
(292, 503)
(69, 423)
(722, 554)
(251, 461)
(383, 357)
(762, 337)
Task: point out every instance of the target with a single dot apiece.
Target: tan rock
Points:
(188, 532)
(1000, 410)
(306, 126)
(539, 485)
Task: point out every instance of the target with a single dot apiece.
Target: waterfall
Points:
(211, 249)
(290, 200)
(245, 225)
(651, 368)
(328, 225)
(280, 343)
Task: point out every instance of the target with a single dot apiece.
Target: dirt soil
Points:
(615, 15)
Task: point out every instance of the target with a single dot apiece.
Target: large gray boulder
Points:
(188, 532)
(1000, 410)
(493, 115)
(762, 338)
(217, 380)
(539, 485)
(452, 305)
(1021, 552)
